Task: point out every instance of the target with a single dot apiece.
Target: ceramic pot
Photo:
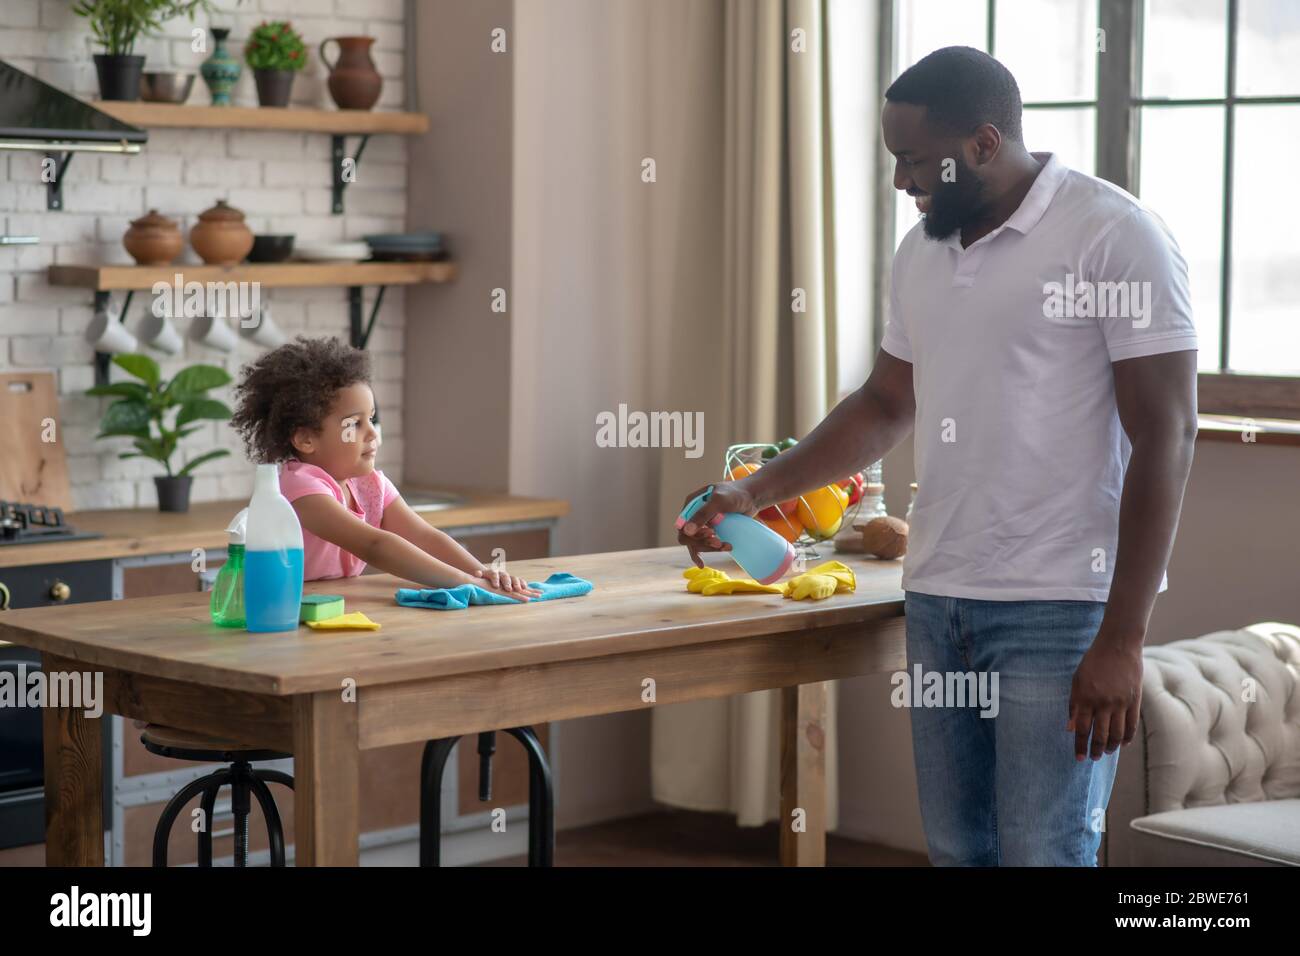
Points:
(273, 87)
(173, 492)
(354, 82)
(220, 237)
(153, 240)
(221, 70)
(119, 75)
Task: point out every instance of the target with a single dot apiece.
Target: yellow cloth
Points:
(355, 621)
(830, 577)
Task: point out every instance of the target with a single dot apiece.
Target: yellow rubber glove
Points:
(711, 581)
(844, 577)
(821, 582)
(356, 621)
(698, 578)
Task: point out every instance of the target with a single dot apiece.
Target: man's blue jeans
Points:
(1006, 790)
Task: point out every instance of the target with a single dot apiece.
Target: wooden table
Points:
(325, 697)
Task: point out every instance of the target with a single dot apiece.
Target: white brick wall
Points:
(280, 180)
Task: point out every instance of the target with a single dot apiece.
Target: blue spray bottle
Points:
(762, 553)
(272, 557)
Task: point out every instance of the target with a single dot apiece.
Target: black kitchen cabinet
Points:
(22, 790)
(40, 585)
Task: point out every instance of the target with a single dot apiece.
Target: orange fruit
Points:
(822, 511)
(789, 528)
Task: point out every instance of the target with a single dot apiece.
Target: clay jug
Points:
(354, 82)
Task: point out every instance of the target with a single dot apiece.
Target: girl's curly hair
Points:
(292, 387)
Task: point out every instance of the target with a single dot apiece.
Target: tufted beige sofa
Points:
(1212, 779)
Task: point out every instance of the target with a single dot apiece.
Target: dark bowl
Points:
(271, 248)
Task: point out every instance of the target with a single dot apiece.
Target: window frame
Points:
(1118, 103)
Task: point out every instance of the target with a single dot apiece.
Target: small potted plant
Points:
(116, 25)
(275, 52)
(141, 410)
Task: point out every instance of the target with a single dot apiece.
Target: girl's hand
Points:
(507, 584)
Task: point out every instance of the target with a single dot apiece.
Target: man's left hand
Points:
(1106, 696)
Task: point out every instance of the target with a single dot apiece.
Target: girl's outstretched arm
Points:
(326, 518)
(401, 519)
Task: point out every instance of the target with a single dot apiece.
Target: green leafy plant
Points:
(275, 46)
(117, 24)
(143, 406)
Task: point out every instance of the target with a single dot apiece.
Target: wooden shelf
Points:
(270, 275)
(294, 119)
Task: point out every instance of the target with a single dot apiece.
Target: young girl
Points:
(308, 405)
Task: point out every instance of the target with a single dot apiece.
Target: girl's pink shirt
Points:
(371, 494)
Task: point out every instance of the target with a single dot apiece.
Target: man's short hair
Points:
(961, 89)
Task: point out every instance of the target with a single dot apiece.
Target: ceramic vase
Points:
(221, 70)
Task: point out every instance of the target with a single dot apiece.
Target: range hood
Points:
(37, 116)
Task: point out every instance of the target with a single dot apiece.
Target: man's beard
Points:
(955, 204)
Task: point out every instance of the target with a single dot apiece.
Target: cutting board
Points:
(33, 460)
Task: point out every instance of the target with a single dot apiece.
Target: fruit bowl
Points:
(805, 519)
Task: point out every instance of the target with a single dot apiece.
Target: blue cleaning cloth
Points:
(561, 584)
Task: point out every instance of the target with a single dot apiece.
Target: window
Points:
(1202, 102)
(1050, 46)
(1226, 73)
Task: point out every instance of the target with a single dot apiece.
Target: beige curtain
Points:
(764, 371)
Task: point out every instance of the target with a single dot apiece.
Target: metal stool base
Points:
(244, 782)
(541, 797)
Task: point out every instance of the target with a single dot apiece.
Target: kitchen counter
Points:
(129, 532)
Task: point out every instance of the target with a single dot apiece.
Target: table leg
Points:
(74, 785)
(326, 792)
(803, 775)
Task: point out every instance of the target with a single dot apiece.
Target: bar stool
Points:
(541, 798)
(243, 779)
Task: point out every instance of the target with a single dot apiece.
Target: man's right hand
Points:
(697, 534)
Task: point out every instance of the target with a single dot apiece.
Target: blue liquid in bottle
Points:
(272, 589)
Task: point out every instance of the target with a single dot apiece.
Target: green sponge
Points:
(320, 607)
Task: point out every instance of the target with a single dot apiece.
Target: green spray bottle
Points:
(228, 589)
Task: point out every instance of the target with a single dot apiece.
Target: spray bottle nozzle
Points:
(238, 527)
(694, 505)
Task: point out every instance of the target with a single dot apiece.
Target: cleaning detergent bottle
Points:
(228, 590)
(761, 552)
(272, 557)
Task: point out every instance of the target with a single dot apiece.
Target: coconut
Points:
(885, 537)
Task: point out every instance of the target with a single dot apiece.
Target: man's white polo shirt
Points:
(1020, 455)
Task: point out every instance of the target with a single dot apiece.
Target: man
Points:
(1040, 343)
